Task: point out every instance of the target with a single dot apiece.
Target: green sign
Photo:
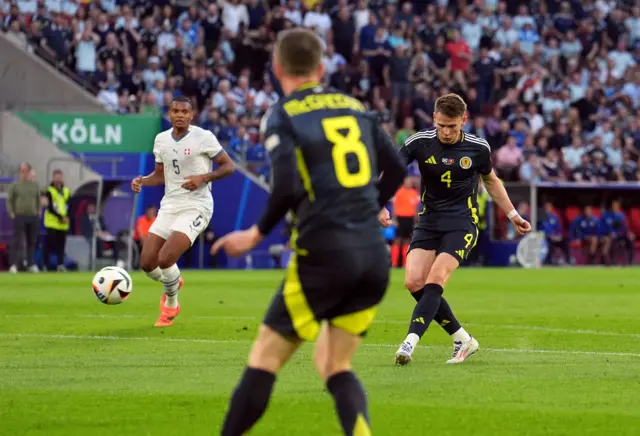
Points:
(96, 132)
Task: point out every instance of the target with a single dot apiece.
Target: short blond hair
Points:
(451, 105)
(299, 51)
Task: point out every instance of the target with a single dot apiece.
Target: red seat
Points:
(571, 213)
(633, 218)
(501, 223)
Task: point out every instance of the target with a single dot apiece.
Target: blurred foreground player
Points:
(183, 157)
(326, 155)
(450, 162)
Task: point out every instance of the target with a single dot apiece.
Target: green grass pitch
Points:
(560, 355)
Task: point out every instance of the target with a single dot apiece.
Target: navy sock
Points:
(249, 401)
(426, 309)
(446, 318)
(351, 403)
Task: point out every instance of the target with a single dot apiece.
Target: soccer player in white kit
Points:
(183, 157)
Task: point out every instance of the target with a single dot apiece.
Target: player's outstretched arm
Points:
(154, 179)
(498, 193)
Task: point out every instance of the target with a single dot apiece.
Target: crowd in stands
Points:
(553, 85)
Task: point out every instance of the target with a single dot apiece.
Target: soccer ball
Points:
(112, 285)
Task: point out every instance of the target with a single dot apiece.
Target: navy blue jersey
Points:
(584, 226)
(613, 223)
(551, 225)
(449, 172)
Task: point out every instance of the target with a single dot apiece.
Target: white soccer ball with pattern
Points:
(112, 285)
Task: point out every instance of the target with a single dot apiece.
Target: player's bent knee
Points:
(438, 277)
(166, 259)
(147, 265)
(414, 284)
(148, 262)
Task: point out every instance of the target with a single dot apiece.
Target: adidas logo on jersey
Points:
(460, 253)
(431, 160)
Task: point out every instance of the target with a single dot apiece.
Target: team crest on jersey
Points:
(187, 151)
(448, 160)
(465, 163)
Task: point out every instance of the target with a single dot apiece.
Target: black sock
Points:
(426, 309)
(444, 315)
(351, 403)
(446, 318)
(417, 295)
(249, 401)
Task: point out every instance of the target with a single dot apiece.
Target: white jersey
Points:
(191, 155)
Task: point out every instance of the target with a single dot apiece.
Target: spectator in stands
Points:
(406, 131)
(508, 158)
(602, 171)
(552, 168)
(23, 207)
(552, 228)
(629, 169)
(585, 229)
(531, 170)
(572, 155)
(485, 71)
(86, 43)
(614, 233)
(17, 36)
(584, 172)
(239, 144)
(396, 75)
(547, 74)
(256, 156)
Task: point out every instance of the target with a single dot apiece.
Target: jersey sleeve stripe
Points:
(215, 156)
(419, 135)
(478, 140)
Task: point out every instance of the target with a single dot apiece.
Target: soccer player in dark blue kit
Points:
(451, 163)
(614, 231)
(552, 228)
(327, 153)
(585, 228)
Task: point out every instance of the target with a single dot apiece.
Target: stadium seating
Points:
(214, 50)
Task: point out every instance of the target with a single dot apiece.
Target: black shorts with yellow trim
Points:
(455, 236)
(341, 287)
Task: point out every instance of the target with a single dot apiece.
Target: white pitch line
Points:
(555, 330)
(380, 321)
(222, 341)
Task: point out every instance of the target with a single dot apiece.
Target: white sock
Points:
(155, 275)
(413, 339)
(171, 280)
(461, 335)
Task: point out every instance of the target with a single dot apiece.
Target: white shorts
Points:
(191, 222)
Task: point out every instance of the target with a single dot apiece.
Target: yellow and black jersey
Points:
(449, 172)
(327, 154)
